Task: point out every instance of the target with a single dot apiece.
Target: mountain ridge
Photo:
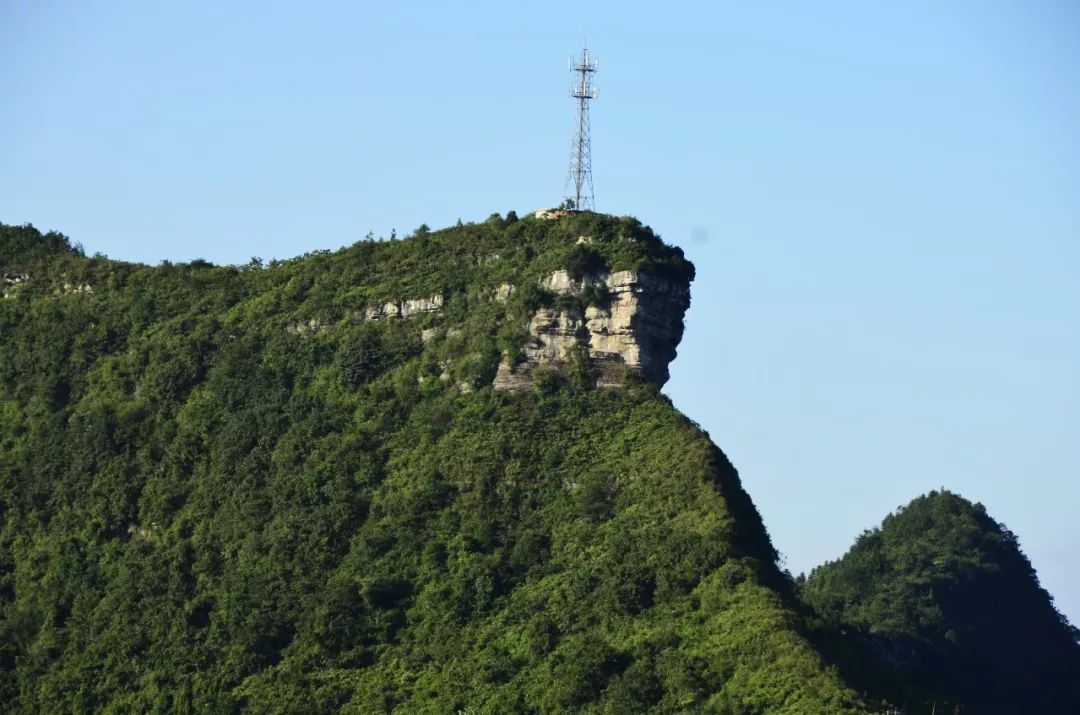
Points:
(229, 488)
(395, 477)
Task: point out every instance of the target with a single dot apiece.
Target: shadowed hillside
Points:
(940, 605)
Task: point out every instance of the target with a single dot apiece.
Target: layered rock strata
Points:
(405, 308)
(636, 327)
(398, 309)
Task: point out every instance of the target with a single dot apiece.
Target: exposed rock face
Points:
(405, 308)
(637, 328)
(504, 291)
(399, 309)
(627, 321)
(301, 327)
(10, 281)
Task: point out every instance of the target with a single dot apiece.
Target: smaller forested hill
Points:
(952, 612)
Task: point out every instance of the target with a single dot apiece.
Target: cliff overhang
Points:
(631, 327)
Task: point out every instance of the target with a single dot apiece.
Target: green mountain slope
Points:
(939, 605)
(233, 489)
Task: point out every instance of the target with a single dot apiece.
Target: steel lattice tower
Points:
(579, 183)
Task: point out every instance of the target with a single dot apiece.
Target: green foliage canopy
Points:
(946, 603)
(223, 489)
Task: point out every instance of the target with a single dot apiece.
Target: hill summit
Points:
(946, 610)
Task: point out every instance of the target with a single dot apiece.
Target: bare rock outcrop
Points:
(78, 288)
(405, 308)
(10, 281)
(636, 328)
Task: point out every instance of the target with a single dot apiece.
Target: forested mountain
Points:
(296, 488)
(437, 475)
(940, 605)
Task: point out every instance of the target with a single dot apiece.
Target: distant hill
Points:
(421, 475)
(939, 605)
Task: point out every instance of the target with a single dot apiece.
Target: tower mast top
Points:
(579, 184)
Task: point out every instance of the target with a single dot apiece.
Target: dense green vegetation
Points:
(227, 489)
(223, 490)
(939, 605)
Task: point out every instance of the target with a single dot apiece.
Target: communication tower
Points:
(579, 184)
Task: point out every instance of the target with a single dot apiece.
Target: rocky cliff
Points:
(634, 327)
(621, 324)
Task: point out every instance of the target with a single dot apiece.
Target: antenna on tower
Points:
(579, 184)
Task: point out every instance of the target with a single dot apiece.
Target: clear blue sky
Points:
(882, 200)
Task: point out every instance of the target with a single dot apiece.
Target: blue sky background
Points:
(883, 202)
